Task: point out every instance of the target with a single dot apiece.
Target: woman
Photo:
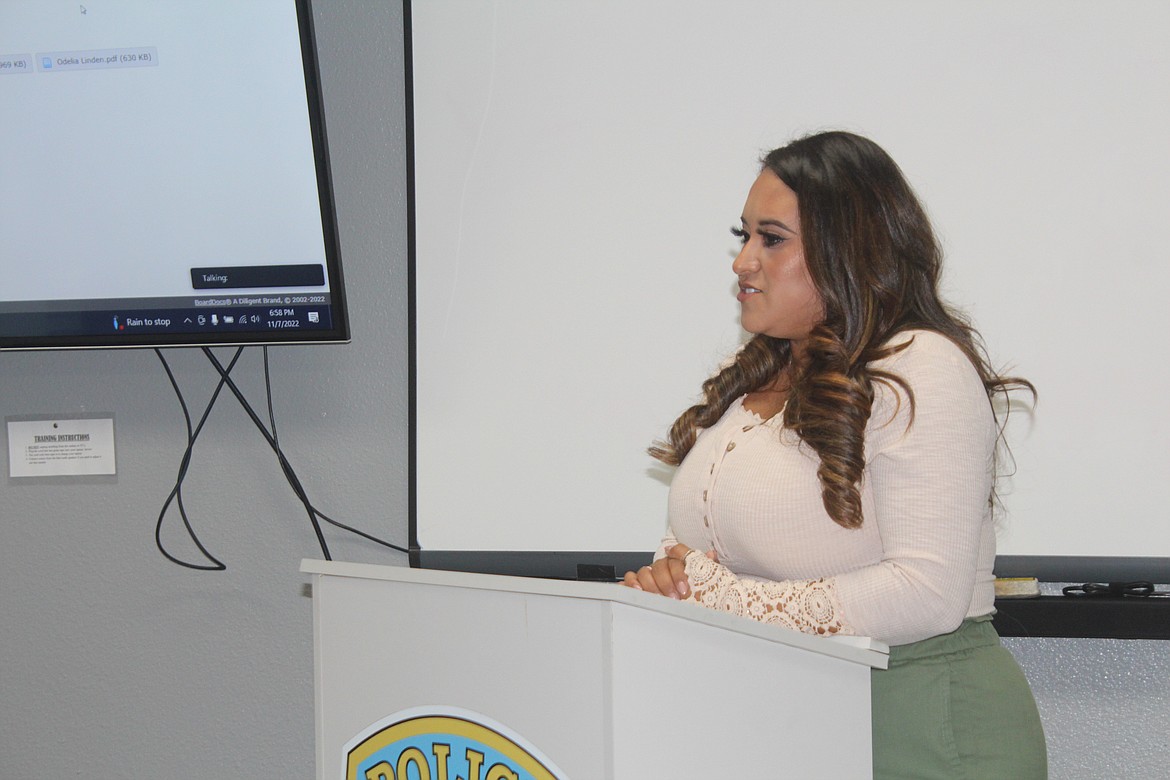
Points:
(837, 477)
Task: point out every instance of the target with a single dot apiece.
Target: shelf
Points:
(1090, 617)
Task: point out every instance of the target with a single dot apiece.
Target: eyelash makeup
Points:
(770, 239)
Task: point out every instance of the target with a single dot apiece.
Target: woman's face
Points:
(776, 294)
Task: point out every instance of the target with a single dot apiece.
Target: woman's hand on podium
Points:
(666, 576)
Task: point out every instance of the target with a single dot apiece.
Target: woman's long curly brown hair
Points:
(874, 260)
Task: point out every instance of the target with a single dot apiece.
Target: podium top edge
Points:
(862, 650)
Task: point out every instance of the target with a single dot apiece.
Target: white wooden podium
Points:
(605, 681)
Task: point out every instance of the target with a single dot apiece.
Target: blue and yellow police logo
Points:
(443, 743)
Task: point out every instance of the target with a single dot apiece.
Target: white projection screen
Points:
(577, 166)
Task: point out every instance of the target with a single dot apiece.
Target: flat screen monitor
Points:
(163, 176)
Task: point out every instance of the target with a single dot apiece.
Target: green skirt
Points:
(956, 707)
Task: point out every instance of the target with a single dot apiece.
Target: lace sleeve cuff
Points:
(810, 606)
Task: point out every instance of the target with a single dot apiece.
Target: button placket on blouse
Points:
(735, 436)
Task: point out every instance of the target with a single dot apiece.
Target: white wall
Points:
(116, 663)
(578, 166)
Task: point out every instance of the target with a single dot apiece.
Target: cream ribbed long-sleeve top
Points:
(922, 560)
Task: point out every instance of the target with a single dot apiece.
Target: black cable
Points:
(176, 494)
(268, 397)
(289, 474)
(286, 467)
(1139, 589)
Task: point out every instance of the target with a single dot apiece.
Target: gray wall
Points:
(117, 663)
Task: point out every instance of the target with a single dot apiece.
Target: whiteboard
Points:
(577, 165)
